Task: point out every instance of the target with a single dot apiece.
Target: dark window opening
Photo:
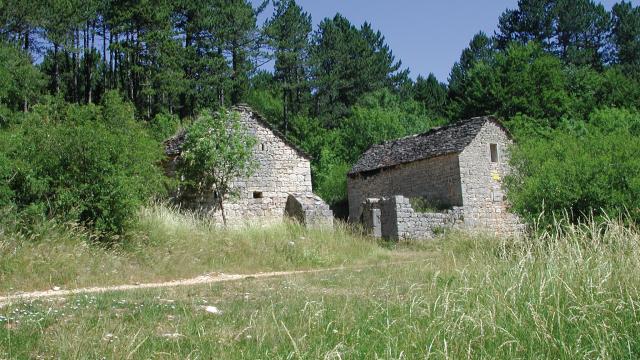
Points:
(262, 146)
(494, 152)
(257, 194)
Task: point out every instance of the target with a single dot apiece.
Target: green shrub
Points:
(20, 82)
(163, 126)
(332, 178)
(96, 167)
(584, 169)
(6, 174)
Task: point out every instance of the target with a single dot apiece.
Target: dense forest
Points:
(90, 89)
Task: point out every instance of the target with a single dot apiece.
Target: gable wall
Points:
(437, 179)
(481, 180)
(282, 170)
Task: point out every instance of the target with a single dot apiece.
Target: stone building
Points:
(457, 169)
(280, 186)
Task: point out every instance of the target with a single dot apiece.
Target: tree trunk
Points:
(284, 110)
(224, 216)
(88, 59)
(104, 54)
(27, 40)
(235, 64)
(75, 65)
(56, 69)
(111, 66)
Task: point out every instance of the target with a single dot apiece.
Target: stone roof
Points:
(173, 145)
(449, 139)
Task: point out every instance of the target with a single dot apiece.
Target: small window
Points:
(494, 152)
(257, 194)
(262, 146)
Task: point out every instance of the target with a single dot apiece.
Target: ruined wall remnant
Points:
(398, 220)
(308, 209)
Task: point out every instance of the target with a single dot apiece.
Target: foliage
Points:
(332, 177)
(335, 89)
(20, 82)
(163, 126)
(574, 30)
(347, 63)
(431, 94)
(96, 167)
(626, 34)
(377, 117)
(289, 31)
(6, 175)
(581, 169)
(217, 150)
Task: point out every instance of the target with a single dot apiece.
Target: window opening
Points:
(494, 152)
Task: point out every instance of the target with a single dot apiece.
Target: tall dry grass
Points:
(168, 244)
(572, 291)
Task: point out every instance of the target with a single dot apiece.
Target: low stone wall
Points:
(400, 221)
(394, 218)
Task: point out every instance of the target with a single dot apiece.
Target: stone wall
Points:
(436, 179)
(398, 220)
(484, 200)
(282, 170)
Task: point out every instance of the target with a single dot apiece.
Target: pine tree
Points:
(348, 62)
(626, 34)
(288, 31)
(431, 93)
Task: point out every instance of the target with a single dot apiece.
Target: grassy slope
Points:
(167, 246)
(572, 296)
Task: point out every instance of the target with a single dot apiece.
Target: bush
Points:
(163, 126)
(6, 194)
(332, 178)
(96, 167)
(587, 169)
(20, 81)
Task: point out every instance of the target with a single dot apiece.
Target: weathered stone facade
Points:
(485, 204)
(416, 179)
(282, 170)
(461, 168)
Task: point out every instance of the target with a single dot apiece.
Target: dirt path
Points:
(200, 280)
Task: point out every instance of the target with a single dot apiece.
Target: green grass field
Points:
(571, 295)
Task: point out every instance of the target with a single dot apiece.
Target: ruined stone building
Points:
(457, 169)
(280, 186)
